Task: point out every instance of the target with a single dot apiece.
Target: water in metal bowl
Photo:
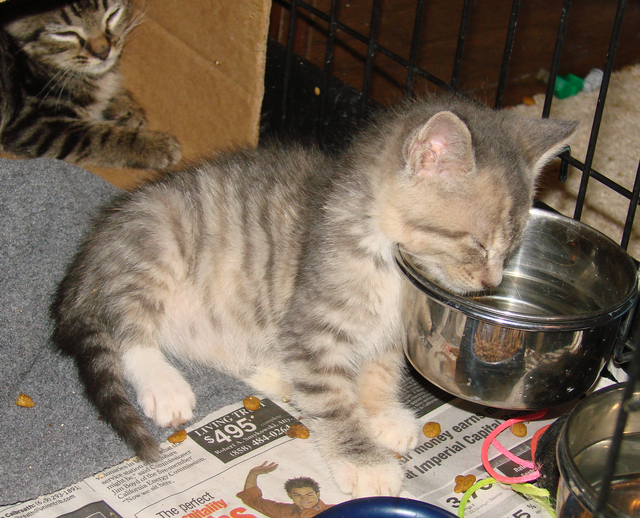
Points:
(539, 339)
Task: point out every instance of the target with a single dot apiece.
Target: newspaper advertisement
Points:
(235, 464)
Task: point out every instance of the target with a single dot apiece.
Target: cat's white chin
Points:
(100, 68)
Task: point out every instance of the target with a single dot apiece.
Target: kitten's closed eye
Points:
(71, 37)
(480, 250)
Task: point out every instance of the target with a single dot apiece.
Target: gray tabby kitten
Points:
(276, 265)
(61, 92)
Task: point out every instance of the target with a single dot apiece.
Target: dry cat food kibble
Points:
(463, 482)
(177, 437)
(432, 429)
(519, 429)
(298, 431)
(251, 403)
(25, 401)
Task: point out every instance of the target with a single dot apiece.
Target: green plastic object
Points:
(568, 85)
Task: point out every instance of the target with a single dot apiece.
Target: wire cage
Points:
(329, 62)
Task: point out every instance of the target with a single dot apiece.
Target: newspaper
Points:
(206, 474)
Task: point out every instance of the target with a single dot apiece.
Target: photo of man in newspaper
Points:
(303, 491)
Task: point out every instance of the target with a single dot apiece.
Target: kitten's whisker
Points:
(138, 19)
(50, 86)
(129, 32)
(45, 91)
(408, 252)
(64, 83)
(442, 260)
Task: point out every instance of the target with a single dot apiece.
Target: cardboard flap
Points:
(198, 70)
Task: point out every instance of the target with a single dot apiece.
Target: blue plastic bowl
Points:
(385, 507)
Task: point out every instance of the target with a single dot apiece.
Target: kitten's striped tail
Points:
(100, 369)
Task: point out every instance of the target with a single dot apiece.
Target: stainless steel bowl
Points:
(539, 339)
(582, 452)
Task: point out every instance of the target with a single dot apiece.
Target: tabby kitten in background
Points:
(276, 266)
(61, 92)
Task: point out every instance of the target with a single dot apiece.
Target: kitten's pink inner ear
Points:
(442, 147)
(433, 150)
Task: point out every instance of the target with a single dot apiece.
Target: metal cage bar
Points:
(286, 79)
(371, 52)
(631, 213)
(462, 37)
(365, 39)
(413, 53)
(326, 70)
(597, 119)
(555, 61)
(508, 50)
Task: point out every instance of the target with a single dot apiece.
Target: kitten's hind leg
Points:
(163, 393)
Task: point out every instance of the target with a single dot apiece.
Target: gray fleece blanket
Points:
(45, 208)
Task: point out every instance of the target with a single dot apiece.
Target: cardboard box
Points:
(197, 68)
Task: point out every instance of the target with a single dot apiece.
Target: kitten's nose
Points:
(491, 278)
(100, 47)
(487, 285)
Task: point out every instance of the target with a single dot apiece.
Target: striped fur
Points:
(276, 266)
(61, 93)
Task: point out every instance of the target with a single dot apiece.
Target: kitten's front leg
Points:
(342, 429)
(360, 467)
(392, 425)
(125, 110)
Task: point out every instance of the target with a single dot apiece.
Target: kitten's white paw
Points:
(162, 392)
(169, 402)
(396, 429)
(365, 480)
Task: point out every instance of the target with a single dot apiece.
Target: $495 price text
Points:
(243, 431)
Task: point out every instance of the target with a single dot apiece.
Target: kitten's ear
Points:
(541, 139)
(442, 148)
